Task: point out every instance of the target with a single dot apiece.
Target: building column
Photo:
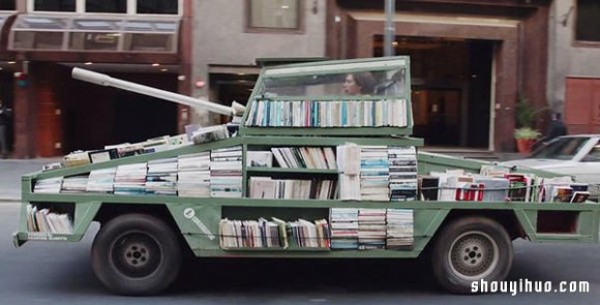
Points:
(25, 118)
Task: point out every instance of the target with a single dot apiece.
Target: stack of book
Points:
(101, 180)
(161, 178)
(344, 228)
(374, 173)
(403, 173)
(371, 229)
(348, 164)
(77, 158)
(226, 172)
(305, 157)
(193, 172)
(342, 113)
(48, 186)
(259, 158)
(46, 221)
(275, 233)
(269, 188)
(400, 225)
(75, 184)
(248, 234)
(130, 179)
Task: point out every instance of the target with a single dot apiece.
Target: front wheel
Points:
(136, 254)
(469, 250)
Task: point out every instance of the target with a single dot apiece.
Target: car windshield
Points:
(560, 149)
(323, 81)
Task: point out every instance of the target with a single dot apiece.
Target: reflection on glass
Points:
(560, 149)
(38, 40)
(94, 41)
(149, 42)
(282, 14)
(390, 82)
(29, 22)
(93, 24)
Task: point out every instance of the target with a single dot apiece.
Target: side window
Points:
(593, 155)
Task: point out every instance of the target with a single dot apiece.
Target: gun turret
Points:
(105, 80)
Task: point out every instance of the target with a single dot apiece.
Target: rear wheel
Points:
(469, 250)
(136, 254)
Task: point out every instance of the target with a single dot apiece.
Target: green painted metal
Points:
(198, 218)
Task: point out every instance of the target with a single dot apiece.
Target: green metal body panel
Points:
(198, 218)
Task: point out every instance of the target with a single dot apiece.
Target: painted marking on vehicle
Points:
(189, 213)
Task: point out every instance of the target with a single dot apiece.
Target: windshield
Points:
(333, 81)
(560, 149)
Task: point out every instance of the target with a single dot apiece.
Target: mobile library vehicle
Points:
(303, 171)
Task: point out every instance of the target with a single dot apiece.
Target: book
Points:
(259, 159)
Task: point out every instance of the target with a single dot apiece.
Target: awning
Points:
(81, 33)
(4, 16)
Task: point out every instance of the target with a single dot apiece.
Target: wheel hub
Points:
(473, 255)
(136, 254)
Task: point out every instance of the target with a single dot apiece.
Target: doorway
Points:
(451, 88)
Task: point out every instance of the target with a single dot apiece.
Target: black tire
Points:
(469, 250)
(136, 254)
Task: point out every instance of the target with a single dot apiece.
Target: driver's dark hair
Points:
(365, 80)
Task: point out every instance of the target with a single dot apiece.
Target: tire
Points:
(136, 254)
(469, 250)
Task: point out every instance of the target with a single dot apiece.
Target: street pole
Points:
(389, 35)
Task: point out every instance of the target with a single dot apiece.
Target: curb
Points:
(11, 199)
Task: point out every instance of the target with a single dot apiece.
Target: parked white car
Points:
(574, 155)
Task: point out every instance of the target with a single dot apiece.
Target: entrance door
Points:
(582, 105)
(437, 116)
(451, 84)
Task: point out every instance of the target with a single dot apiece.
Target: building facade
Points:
(135, 40)
(232, 38)
(574, 64)
(471, 61)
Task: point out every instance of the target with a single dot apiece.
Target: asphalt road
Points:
(60, 273)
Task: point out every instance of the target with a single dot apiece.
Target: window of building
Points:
(54, 5)
(104, 6)
(131, 7)
(170, 7)
(587, 26)
(7, 5)
(274, 14)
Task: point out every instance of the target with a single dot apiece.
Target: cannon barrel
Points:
(105, 80)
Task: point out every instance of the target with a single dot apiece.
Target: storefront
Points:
(471, 60)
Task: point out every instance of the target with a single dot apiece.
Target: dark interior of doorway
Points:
(226, 88)
(97, 116)
(7, 96)
(451, 88)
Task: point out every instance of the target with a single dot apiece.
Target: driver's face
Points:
(350, 85)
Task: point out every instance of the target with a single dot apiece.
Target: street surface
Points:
(60, 273)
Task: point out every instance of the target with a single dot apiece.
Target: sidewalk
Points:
(11, 171)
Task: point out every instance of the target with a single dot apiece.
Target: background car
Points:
(573, 155)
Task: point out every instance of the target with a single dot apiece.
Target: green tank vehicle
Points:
(319, 164)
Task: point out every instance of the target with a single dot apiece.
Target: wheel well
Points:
(506, 218)
(109, 211)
